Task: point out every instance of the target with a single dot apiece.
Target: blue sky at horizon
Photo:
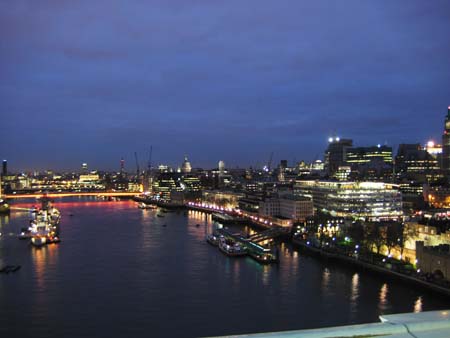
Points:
(94, 81)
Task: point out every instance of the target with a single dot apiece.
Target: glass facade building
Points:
(372, 201)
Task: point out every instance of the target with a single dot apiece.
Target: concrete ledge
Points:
(431, 324)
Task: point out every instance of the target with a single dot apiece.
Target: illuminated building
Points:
(336, 153)
(186, 166)
(84, 168)
(446, 146)
(165, 184)
(359, 200)
(282, 170)
(415, 163)
(361, 155)
(192, 187)
(343, 173)
(226, 199)
(90, 181)
(370, 163)
(296, 208)
(433, 149)
(437, 196)
(221, 168)
(434, 259)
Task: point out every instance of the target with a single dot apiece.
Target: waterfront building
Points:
(336, 153)
(165, 184)
(222, 198)
(434, 259)
(90, 181)
(372, 201)
(191, 186)
(446, 145)
(295, 208)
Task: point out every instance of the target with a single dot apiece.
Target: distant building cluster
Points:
(351, 183)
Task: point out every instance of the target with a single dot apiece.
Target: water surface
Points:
(123, 272)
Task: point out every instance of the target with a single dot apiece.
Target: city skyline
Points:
(230, 82)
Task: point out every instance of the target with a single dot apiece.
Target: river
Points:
(120, 271)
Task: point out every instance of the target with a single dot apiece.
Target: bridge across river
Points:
(70, 194)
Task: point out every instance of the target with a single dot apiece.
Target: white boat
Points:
(44, 225)
(231, 248)
(212, 239)
(39, 240)
(142, 205)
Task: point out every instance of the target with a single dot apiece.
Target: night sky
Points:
(94, 81)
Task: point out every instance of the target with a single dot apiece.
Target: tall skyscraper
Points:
(221, 168)
(4, 168)
(446, 146)
(336, 153)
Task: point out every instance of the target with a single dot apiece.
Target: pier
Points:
(258, 252)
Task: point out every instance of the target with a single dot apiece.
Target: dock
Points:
(256, 251)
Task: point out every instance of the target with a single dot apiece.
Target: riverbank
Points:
(368, 266)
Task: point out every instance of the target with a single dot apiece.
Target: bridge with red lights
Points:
(70, 194)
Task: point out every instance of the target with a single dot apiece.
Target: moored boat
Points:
(231, 248)
(44, 225)
(38, 240)
(143, 205)
(212, 239)
(4, 207)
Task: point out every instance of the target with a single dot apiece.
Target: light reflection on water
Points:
(383, 304)
(121, 270)
(418, 305)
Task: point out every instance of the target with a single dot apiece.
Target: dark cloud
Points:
(97, 80)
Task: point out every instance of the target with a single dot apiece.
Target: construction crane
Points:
(137, 164)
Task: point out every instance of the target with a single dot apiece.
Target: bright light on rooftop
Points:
(430, 144)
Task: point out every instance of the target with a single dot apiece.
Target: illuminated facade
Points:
(165, 184)
(361, 155)
(295, 208)
(413, 162)
(186, 167)
(359, 200)
(446, 146)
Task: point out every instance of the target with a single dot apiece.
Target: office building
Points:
(5, 168)
(446, 146)
(336, 153)
(371, 201)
